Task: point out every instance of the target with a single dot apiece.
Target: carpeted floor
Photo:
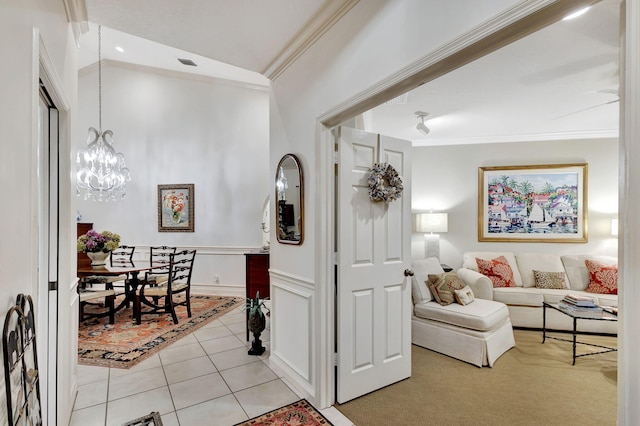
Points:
(299, 413)
(531, 384)
(124, 344)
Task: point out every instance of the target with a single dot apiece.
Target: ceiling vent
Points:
(187, 62)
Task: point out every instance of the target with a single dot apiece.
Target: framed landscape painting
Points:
(546, 203)
(175, 208)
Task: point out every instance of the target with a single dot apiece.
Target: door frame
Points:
(516, 23)
(60, 376)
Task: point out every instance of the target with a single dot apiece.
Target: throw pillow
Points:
(433, 291)
(498, 270)
(464, 296)
(554, 280)
(443, 286)
(603, 278)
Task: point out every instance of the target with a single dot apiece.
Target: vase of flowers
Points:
(98, 245)
(174, 202)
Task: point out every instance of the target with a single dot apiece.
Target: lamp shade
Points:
(432, 222)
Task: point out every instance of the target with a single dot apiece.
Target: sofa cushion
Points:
(464, 296)
(553, 280)
(481, 315)
(498, 270)
(524, 296)
(421, 269)
(576, 269)
(528, 262)
(602, 278)
(443, 285)
(469, 262)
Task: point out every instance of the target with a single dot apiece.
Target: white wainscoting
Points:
(218, 271)
(293, 330)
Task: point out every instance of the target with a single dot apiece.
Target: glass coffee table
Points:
(606, 316)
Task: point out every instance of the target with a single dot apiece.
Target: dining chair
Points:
(159, 259)
(161, 298)
(95, 297)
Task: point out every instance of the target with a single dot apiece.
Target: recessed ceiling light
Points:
(577, 13)
(187, 62)
(119, 49)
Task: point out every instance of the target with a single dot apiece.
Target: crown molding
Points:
(78, 17)
(311, 32)
(531, 137)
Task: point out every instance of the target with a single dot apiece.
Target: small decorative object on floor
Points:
(152, 419)
(300, 413)
(257, 323)
(98, 245)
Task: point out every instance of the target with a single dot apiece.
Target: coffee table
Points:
(606, 316)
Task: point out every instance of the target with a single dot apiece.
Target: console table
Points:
(257, 276)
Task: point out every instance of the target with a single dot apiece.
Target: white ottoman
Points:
(477, 333)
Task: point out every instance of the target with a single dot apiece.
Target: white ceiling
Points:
(558, 83)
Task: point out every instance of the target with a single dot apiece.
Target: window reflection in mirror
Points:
(290, 201)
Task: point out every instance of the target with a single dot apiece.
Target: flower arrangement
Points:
(94, 242)
(174, 201)
(384, 183)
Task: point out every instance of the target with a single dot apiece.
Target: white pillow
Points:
(421, 269)
(576, 269)
(545, 262)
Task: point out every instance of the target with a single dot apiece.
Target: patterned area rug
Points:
(299, 413)
(124, 344)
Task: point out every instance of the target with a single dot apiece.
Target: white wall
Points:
(21, 24)
(446, 179)
(176, 128)
(374, 40)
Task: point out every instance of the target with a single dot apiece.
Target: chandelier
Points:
(102, 173)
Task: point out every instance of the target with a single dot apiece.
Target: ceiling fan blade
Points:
(586, 109)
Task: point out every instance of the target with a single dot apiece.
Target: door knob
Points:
(408, 273)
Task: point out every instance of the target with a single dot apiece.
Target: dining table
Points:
(131, 269)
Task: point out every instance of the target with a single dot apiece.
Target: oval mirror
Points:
(290, 205)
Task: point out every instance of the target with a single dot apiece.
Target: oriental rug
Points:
(124, 344)
(300, 413)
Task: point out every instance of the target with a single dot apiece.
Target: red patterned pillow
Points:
(498, 271)
(603, 278)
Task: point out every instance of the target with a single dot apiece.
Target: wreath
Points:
(384, 183)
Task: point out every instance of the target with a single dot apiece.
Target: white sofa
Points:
(477, 333)
(525, 300)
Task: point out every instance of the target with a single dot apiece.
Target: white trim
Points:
(291, 279)
(629, 199)
(142, 250)
(78, 17)
(50, 77)
(331, 12)
(173, 74)
(532, 137)
(218, 290)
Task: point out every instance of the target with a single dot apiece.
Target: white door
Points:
(374, 249)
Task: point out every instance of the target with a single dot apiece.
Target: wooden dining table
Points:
(132, 270)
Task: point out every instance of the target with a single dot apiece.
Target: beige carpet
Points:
(531, 384)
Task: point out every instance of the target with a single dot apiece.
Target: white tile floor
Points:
(205, 378)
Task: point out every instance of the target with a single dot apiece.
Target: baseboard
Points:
(218, 290)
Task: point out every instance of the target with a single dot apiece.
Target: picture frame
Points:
(537, 203)
(176, 208)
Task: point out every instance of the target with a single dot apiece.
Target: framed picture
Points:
(545, 203)
(175, 208)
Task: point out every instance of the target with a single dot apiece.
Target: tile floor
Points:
(205, 378)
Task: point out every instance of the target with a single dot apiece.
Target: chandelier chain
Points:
(100, 78)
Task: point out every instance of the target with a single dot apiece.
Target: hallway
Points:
(205, 378)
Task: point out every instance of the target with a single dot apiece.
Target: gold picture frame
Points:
(537, 203)
(176, 208)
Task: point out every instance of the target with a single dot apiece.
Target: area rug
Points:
(124, 344)
(300, 413)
